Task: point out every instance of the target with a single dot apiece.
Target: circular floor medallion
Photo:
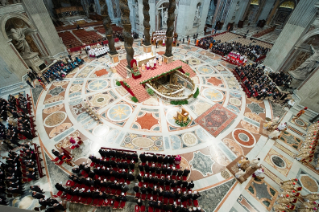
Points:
(300, 123)
(119, 112)
(244, 138)
(205, 70)
(97, 85)
(235, 101)
(143, 142)
(308, 183)
(55, 119)
(101, 99)
(189, 139)
(278, 161)
(213, 94)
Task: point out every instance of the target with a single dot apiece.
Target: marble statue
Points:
(18, 36)
(197, 15)
(302, 72)
(165, 17)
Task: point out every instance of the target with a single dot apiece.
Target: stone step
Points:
(13, 88)
(309, 114)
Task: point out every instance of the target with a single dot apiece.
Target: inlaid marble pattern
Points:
(262, 192)
(213, 138)
(202, 163)
(299, 122)
(189, 139)
(309, 183)
(255, 108)
(211, 198)
(146, 143)
(291, 140)
(278, 162)
(215, 119)
(246, 204)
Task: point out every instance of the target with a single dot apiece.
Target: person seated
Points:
(36, 188)
(37, 195)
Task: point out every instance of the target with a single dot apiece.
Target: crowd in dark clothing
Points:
(15, 113)
(60, 69)
(164, 185)
(57, 71)
(119, 35)
(104, 181)
(258, 84)
(18, 169)
(53, 204)
(252, 52)
(205, 42)
(281, 79)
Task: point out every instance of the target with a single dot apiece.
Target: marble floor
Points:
(149, 126)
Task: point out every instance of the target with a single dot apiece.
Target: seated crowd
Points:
(60, 69)
(252, 52)
(56, 71)
(18, 169)
(257, 84)
(19, 121)
(207, 42)
(164, 184)
(105, 181)
(53, 204)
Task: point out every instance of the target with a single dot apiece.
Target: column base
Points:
(147, 49)
(115, 58)
(167, 59)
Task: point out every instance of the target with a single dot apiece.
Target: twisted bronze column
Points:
(170, 27)
(128, 39)
(107, 24)
(146, 22)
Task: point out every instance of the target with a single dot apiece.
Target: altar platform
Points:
(135, 84)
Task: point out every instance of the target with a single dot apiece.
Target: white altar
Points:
(144, 58)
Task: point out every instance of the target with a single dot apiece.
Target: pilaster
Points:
(297, 25)
(41, 19)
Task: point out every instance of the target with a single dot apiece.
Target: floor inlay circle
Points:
(278, 161)
(143, 142)
(119, 112)
(97, 85)
(189, 139)
(235, 101)
(244, 138)
(213, 94)
(55, 119)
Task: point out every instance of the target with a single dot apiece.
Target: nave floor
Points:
(149, 126)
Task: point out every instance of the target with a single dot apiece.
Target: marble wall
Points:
(40, 17)
(308, 92)
(266, 9)
(296, 27)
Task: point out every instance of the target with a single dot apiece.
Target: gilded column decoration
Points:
(128, 39)
(146, 22)
(170, 27)
(107, 24)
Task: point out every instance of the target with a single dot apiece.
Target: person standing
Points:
(156, 43)
(29, 83)
(300, 113)
(189, 41)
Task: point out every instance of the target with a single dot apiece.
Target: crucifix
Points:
(161, 9)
